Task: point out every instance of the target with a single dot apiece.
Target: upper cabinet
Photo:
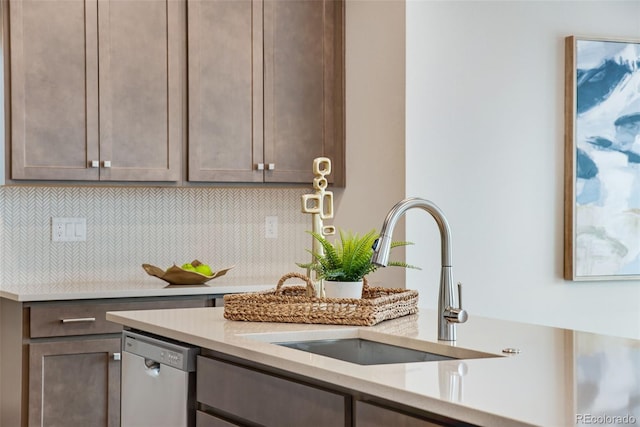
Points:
(177, 91)
(141, 61)
(225, 90)
(266, 89)
(96, 89)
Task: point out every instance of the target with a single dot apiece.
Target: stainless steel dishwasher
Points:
(158, 382)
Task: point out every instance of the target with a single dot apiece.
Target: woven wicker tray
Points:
(291, 304)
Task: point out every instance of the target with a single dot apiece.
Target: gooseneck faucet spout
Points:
(450, 310)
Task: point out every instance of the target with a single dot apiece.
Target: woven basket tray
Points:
(291, 304)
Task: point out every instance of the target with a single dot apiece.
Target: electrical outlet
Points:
(68, 229)
(271, 227)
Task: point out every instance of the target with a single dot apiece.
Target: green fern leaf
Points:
(349, 259)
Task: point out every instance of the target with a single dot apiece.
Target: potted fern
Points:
(343, 265)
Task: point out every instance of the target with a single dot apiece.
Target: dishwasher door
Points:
(158, 382)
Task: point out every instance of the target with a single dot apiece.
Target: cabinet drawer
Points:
(265, 399)
(207, 420)
(89, 317)
(368, 415)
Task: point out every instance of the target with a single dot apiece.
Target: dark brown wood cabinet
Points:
(61, 359)
(370, 415)
(96, 89)
(175, 91)
(266, 89)
(235, 394)
(225, 90)
(304, 88)
(86, 371)
(207, 420)
(233, 391)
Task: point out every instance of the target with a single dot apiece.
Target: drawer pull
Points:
(116, 356)
(79, 319)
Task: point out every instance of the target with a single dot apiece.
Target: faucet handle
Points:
(457, 314)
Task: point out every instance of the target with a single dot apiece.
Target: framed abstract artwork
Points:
(602, 159)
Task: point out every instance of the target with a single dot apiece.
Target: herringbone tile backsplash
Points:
(127, 227)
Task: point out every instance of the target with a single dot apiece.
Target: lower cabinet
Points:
(368, 415)
(207, 420)
(240, 396)
(75, 383)
(234, 392)
(61, 360)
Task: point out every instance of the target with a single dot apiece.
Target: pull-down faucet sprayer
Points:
(450, 310)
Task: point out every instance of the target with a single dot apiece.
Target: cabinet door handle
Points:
(79, 319)
(116, 356)
(106, 163)
(271, 166)
(95, 164)
(260, 166)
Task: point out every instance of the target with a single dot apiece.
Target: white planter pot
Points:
(342, 289)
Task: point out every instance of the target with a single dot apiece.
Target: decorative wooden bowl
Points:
(175, 275)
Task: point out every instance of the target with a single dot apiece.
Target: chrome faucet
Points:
(450, 310)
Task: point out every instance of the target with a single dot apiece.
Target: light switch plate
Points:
(68, 229)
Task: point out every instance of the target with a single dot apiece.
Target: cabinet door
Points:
(140, 58)
(304, 97)
(225, 90)
(74, 383)
(54, 98)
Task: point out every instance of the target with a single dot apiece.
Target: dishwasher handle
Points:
(152, 367)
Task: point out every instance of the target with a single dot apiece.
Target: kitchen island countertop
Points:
(560, 377)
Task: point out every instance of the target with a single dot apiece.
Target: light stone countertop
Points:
(560, 378)
(149, 287)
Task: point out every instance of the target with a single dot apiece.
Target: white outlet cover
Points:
(271, 227)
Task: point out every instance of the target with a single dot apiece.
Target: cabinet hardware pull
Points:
(271, 166)
(95, 163)
(260, 166)
(106, 163)
(116, 356)
(79, 319)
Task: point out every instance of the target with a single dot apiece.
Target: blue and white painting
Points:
(607, 168)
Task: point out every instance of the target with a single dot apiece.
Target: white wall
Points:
(375, 121)
(485, 142)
